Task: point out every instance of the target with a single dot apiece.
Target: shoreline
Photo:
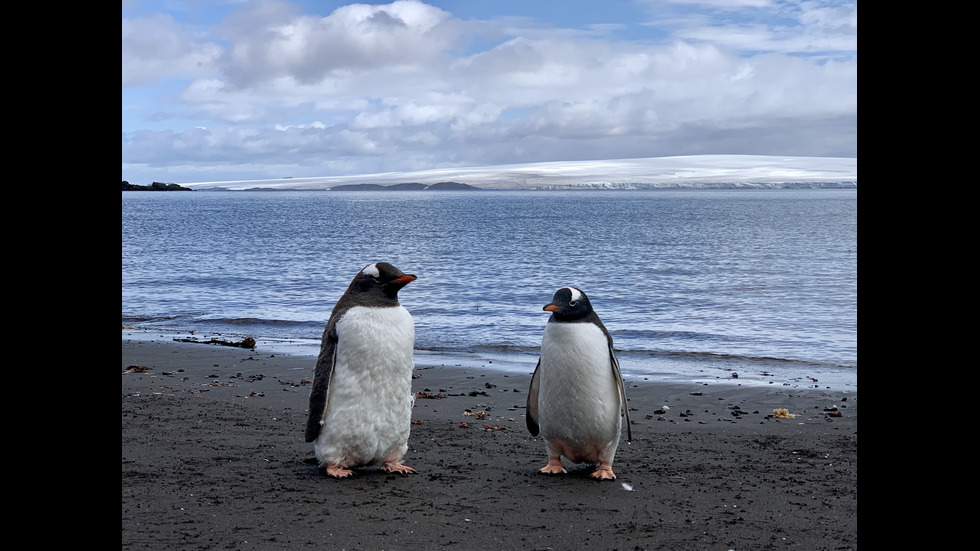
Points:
(214, 457)
(636, 366)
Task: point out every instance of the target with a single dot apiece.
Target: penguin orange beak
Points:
(550, 307)
(407, 278)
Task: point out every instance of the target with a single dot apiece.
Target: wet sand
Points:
(213, 457)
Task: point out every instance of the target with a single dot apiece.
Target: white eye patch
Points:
(372, 270)
(576, 294)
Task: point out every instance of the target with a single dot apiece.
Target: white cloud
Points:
(408, 86)
(157, 47)
(267, 41)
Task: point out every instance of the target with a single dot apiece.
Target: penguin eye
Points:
(573, 303)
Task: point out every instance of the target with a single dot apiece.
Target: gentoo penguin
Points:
(577, 400)
(361, 400)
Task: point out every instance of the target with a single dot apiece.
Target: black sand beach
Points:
(213, 457)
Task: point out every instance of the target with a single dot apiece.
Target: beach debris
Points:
(427, 395)
(478, 414)
(783, 413)
(494, 427)
(251, 378)
(254, 394)
(463, 425)
(136, 369)
(247, 342)
(627, 487)
(736, 410)
(417, 422)
(832, 412)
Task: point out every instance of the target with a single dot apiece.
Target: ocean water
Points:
(699, 285)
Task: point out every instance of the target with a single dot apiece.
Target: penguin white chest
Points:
(579, 398)
(369, 404)
(376, 340)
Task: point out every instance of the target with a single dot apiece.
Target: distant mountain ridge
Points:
(679, 172)
(408, 186)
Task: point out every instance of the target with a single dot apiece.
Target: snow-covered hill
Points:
(698, 171)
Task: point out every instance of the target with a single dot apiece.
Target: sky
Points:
(221, 90)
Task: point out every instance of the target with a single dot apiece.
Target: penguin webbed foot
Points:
(396, 467)
(554, 466)
(337, 471)
(604, 472)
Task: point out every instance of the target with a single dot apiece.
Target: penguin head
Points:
(380, 279)
(569, 304)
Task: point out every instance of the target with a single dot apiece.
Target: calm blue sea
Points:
(693, 284)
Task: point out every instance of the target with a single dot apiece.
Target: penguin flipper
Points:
(321, 384)
(622, 392)
(531, 413)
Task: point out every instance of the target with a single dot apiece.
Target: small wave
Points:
(145, 319)
(628, 354)
(259, 321)
(499, 348)
(652, 334)
(717, 357)
(257, 328)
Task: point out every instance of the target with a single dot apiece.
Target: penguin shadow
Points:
(312, 469)
(577, 473)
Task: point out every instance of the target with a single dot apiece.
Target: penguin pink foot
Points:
(554, 466)
(396, 467)
(337, 471)
(604, 472)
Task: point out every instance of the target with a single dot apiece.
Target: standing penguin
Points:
(361, 400)
(577, 400)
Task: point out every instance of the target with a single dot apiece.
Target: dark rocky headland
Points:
(155, 186)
